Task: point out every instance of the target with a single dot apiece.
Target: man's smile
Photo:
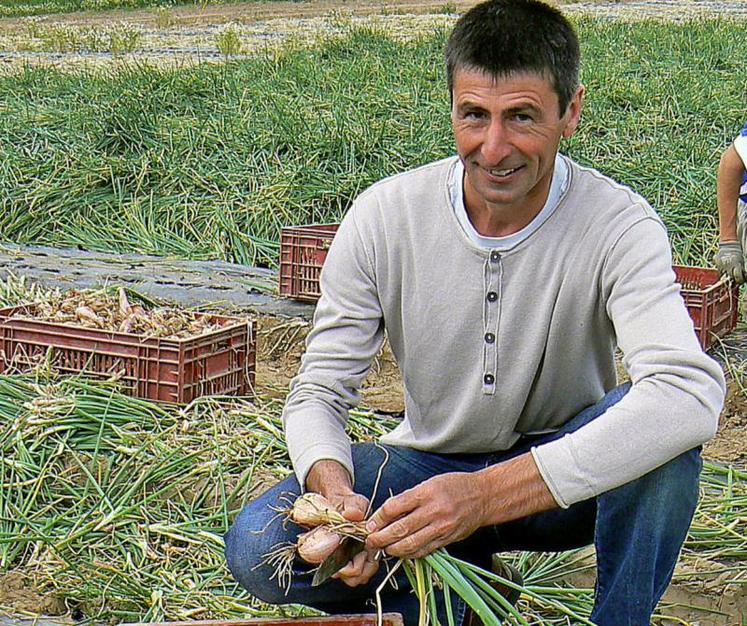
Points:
(501, 173)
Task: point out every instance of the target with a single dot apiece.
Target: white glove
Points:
(730, 260)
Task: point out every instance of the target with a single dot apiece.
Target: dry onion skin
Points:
(313, 509)
(105, 310)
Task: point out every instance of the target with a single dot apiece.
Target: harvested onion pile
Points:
(109, 311)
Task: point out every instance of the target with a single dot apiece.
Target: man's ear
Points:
(573, 112)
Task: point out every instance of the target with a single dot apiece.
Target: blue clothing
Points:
(743, 188)
(637, 529)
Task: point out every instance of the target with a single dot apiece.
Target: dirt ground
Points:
(195, 15)
(189, 34)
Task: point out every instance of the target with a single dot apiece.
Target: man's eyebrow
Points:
(523, 108)
(468, 104)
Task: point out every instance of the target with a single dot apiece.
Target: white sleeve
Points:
(740, 145)
(677, 390)
(347, 333)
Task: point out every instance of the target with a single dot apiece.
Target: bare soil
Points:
(189, 34)
(211, 14)
(195, 15)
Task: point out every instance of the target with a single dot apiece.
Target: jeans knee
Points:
(666, 497)
(681, 478)
(246, 547)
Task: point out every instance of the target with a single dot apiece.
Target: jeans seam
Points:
(598, 588)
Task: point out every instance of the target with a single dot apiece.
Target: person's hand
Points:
(360, 570)
(730, 260)
(433, 514)
(365, 564)
(332, 480)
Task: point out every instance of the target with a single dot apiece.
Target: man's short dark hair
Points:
(504, 37)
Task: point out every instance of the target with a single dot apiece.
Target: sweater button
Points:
(492, 296)
(489, 338)
(488, 379)
(495, 255)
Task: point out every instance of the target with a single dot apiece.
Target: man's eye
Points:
(473, 115)
(523, 117)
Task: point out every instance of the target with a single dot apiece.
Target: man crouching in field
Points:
(505, 278)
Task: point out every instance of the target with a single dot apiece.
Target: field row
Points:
(209, 161)
(43, 7)
(165, 43)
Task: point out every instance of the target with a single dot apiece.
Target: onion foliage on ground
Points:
(210, 161)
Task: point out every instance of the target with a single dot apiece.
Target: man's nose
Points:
(495, 146)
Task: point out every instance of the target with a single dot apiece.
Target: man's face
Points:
(507, 132)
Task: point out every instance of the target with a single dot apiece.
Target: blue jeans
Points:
(637, 530)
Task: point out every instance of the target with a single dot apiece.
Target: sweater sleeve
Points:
(346, 336)
(677, 390)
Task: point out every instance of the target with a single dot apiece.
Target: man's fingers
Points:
(394, 508)
(353, 568)
(400, 530)
(354, 507)
(360, 570)
(416, 545)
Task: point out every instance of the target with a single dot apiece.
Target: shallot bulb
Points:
(313, 509)
(317, 544)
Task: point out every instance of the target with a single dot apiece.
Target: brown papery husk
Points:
(313, 509)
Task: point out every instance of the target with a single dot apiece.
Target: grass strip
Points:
(209, 162)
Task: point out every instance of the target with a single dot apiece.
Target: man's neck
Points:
(502, 220)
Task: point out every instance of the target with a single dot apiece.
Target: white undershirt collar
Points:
(456, 191)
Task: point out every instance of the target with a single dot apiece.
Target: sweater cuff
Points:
(559, 469)
(303, 463)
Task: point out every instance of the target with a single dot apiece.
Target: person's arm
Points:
(346, 335)
(728, 182)
(450, 507)
(677, 390)
(729, 259)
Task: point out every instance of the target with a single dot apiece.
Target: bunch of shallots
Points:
(328, 527)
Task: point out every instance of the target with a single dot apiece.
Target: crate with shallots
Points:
(163, 354)
(712, 302)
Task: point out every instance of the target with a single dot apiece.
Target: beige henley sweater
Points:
(492, 345)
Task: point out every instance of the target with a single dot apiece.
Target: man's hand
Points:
(435, 513)
(450, 507)
(730, 260)
(333, 481)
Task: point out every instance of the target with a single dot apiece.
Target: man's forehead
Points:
(498, 79)
(470, 82)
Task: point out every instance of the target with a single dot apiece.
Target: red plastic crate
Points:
(221, 361)
(387, 619)
(303, 250)
(712, 301)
